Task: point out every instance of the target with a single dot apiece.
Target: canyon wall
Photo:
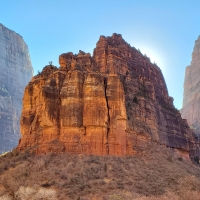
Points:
(16, 72)
(114, 102)
(191, 97)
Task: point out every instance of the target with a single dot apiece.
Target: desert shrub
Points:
(196, 159)
(15, 153)
(169, 159)
(105, 167)
(4, 165)
(8, 155)
(135, 100)
(39, 164)
(115, 197)
(180, 159)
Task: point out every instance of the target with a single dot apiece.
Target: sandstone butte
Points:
(114, 102)
(191, 97)
(15, 73)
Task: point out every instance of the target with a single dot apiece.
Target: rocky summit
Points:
(191, 97)
(15, 73)
(112, 103)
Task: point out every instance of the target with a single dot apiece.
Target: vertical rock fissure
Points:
(59, 103)
(108, 125)
(82, 96)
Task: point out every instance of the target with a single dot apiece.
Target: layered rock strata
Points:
(16, 72)
(191, 97)
(114, 102)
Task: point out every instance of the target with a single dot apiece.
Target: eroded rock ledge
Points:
(114, 102)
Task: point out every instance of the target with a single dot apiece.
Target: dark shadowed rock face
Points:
(115, 102)
(15, 72)
(191, 98)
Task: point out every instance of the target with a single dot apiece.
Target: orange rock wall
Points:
(115, 102)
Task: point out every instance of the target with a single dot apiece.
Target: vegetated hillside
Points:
(157, 173)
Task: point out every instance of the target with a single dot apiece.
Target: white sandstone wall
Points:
(15, 73)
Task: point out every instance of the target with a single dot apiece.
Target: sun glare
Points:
(154, 56)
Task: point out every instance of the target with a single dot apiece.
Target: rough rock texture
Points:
(115, 102)
(191, 97)
(15, 72)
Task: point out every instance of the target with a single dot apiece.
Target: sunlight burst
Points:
(153, 55)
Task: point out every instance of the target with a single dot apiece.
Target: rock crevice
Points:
(108, 125)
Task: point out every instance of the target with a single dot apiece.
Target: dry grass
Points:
(6, 197)
(25, 193)
(153, 175)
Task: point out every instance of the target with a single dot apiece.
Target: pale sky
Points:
(165, 30)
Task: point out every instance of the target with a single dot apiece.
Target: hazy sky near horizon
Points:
(165, 30)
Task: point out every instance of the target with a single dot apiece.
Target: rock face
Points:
(16, 72)
(191, 98)
(115, 102)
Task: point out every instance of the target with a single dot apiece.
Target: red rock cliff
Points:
(114, 102)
